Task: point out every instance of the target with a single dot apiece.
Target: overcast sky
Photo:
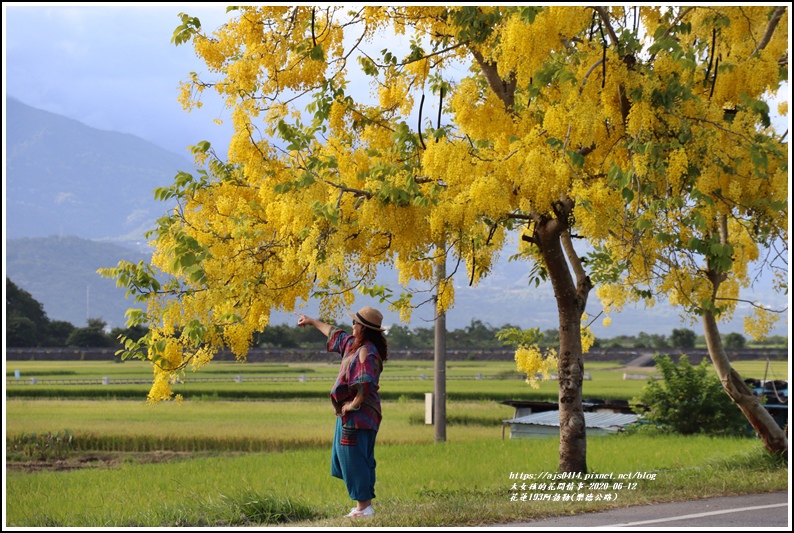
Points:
(113, 67)
(110, 66)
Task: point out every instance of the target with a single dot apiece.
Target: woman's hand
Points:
(303, 320)
(348, 407)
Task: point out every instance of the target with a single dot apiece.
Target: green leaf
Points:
(577, 159)
(659, 33)
(696, 245)
(519, 337)
(528, 13)
(554, 143)
(195, 274)
(368, 66)
(627, 194)
(317, 53)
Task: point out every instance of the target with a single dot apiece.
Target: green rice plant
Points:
(194, 426)
(463, 384)
(40, 446)
(459, 420)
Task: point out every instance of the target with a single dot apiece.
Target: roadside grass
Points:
(419, 485)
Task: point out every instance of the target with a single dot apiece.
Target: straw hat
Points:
(369, 317)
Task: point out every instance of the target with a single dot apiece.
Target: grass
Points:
(137, 426)
(265, 462)
(462, 385)
(450, 484)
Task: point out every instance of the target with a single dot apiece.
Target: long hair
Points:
(378, 339)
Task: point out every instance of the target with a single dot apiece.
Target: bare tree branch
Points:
(770, 29)
(505, 90)
(602, 13)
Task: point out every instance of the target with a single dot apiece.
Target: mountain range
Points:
(65, 178)
(78, 199)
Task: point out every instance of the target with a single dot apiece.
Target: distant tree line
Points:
(27, 325)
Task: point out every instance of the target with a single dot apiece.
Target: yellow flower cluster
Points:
(677, 163)
(642, 120)
(394, 94)
(739, 30)
(336, 118)
(535, 364)
(613, 297)
(479, 116)
(523, 47)
(161, 388)
(446, 295)
(419, 71)
(603, 203)
(760, 323)
(293, 223)
(588, 339)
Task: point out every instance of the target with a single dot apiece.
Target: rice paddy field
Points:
(250, 445)
(466, 380)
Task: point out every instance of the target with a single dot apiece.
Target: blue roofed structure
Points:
(547, 424)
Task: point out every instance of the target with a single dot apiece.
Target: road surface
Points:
(768, 511)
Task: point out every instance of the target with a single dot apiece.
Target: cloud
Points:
(66, 198)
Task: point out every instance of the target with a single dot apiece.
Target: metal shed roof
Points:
(591, 420)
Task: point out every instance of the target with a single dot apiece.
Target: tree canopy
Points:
(546, 125)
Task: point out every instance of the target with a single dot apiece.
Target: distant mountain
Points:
(66, 178)
(92, 188)
(60, 273)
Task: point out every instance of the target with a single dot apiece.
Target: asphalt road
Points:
(768, 511)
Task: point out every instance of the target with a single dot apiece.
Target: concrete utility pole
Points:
(440, 359)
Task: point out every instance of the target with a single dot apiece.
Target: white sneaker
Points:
(355, 513)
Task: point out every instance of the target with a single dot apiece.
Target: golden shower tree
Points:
(480, 123)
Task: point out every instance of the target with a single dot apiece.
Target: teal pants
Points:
(353, 460)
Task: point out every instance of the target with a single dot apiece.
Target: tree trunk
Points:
(440, 364)
(571, 299)
(774, 438)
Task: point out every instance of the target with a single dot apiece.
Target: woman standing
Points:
(356, 402)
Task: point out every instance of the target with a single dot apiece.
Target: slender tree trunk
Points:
(571, 298)
(440, 365)
(774, 438)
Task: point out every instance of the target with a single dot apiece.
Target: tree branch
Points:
(584, 79)
(573, 257)
(604, 16)
(505, 90)
(754, 304)
(676, 21)
(770, 29)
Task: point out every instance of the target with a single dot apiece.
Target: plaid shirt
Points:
(354, 376)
